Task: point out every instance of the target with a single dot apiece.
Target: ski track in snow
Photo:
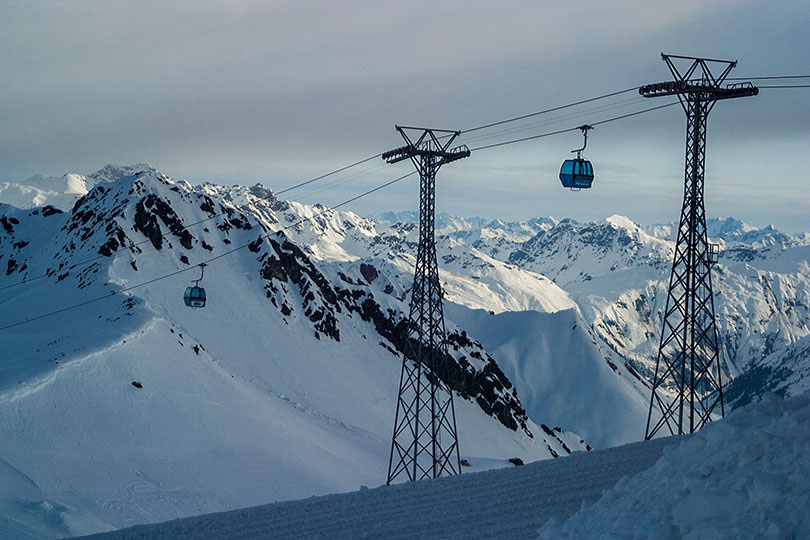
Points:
(145, 492)
(318, 416)
(509, 503)
(40, 383)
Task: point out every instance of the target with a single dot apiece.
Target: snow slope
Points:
(747, 476)
(504, 504)
(561, 372)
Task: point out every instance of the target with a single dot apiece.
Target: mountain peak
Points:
(62, 192)
(114, 173)
(59, 191)
(728, 225)
(622, 222)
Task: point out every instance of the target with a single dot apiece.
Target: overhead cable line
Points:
(603, 96)
(207, 261)
(545, 111)
(302, 184)
(336, 171)
(532, 137)
(186, 227)
(338, 181)
(556, 119)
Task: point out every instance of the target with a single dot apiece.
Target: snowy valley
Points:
(122, 406)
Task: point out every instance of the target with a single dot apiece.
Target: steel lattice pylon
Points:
(688, 355)
(425, 441)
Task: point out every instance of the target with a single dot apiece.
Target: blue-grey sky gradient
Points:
(281, 91)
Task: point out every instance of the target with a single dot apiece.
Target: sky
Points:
(280, 92)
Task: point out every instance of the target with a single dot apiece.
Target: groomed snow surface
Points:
(747, 476)
(497, 504)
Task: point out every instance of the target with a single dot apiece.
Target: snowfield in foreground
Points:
(747, 476)
(500, 504)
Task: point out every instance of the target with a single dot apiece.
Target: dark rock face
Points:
(369, 272)
(285, 264)
(97, 211)
(207, 205)
(117, 239)
(8, 223)
(233, 219)
(147, 212)
(489, 387)
(288, 263)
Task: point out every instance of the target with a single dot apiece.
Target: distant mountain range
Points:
(616, 272)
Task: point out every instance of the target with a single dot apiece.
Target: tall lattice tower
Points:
(425, 441)
(687, 388)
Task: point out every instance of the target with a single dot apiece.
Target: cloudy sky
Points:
(279, 92)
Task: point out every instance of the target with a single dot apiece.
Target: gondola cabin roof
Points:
(576, 173)
(194, 297)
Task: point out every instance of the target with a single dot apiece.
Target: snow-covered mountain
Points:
(786, 372)
(120, 405)
(124, 406)
(616, 273)
(61, 192)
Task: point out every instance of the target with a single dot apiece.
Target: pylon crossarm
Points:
(705, 88)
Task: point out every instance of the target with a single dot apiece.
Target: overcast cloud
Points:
(278, 92)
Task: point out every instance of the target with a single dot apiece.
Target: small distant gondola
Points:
(194, 296)
(577, 173)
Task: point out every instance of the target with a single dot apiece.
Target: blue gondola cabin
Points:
(576, 173)
(194, 297)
